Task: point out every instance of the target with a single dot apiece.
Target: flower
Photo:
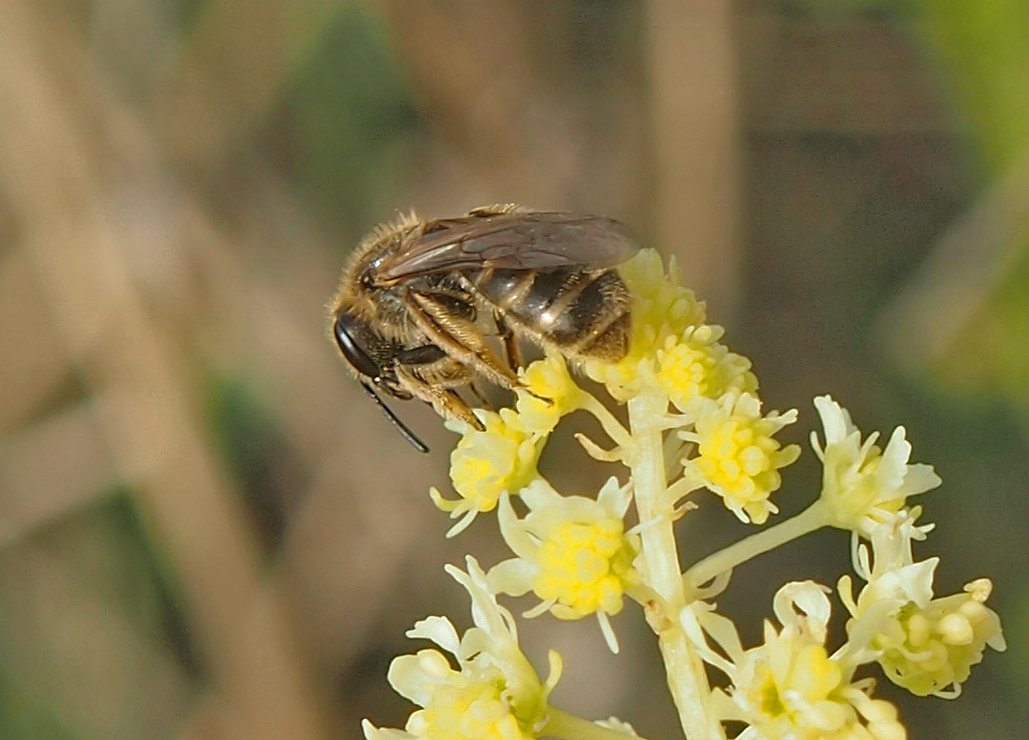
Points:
(863, 485)
(549, 393)
(571, 551)
(932, 648)
(695, 365)
(737, 457)
(493, 694)
(549, 378)
(790, 687)
(486, 463)
(661, 308)
(926, 645)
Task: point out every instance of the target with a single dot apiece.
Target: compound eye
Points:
(351, 348)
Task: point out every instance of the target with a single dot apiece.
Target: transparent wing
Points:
(517, 241)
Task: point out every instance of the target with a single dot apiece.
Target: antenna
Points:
(408, 434)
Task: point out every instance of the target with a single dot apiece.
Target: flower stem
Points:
(565, 725)
(612, 427)
(812, 518)
(687, 680)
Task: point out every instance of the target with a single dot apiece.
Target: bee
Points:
(425, 308)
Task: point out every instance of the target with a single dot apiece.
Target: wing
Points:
(517, 241)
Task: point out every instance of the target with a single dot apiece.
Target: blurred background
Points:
(207, 531)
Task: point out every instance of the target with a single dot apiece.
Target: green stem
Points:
(687, 680)
(565, 725)
(812, 518)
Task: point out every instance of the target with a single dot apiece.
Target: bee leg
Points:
(484, 402)
(430, 354)
(442, 398)
(425, 355)
(513, 351)
(460, 338)
(511, 348)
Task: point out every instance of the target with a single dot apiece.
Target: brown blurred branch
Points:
(54, 164)
(493, 96)
(39, 366)
(697, 142)
(50, 469)
(232, 69)
(476, 93)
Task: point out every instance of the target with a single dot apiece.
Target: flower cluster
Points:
(493, 693)
(693, 422)
(790, 686)
(572, 552)
(863, 485)
(738, 457)
(487, 463)
(926, 645)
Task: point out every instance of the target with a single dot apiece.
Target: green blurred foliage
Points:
(351, 125)
(118, 574)
(984, 52)
(22, 716)
(256, 451)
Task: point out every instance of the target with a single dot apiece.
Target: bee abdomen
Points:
(583, 313)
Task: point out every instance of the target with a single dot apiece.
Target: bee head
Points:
(372, 357)
(361, 346)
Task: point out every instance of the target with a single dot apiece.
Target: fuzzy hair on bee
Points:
(426, 308)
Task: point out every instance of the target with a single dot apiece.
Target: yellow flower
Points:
(661, 308)
(863, 485)
(737, 457)
(572, 552)
(487, 463)
(583, 567)
(549, 378)
(549, 394)
(465, 705)
(931, 649)
(926, 645)
(695, 365)
(661, 302)
(493, 694)
(790, 687)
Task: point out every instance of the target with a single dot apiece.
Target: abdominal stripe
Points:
(580, 311)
